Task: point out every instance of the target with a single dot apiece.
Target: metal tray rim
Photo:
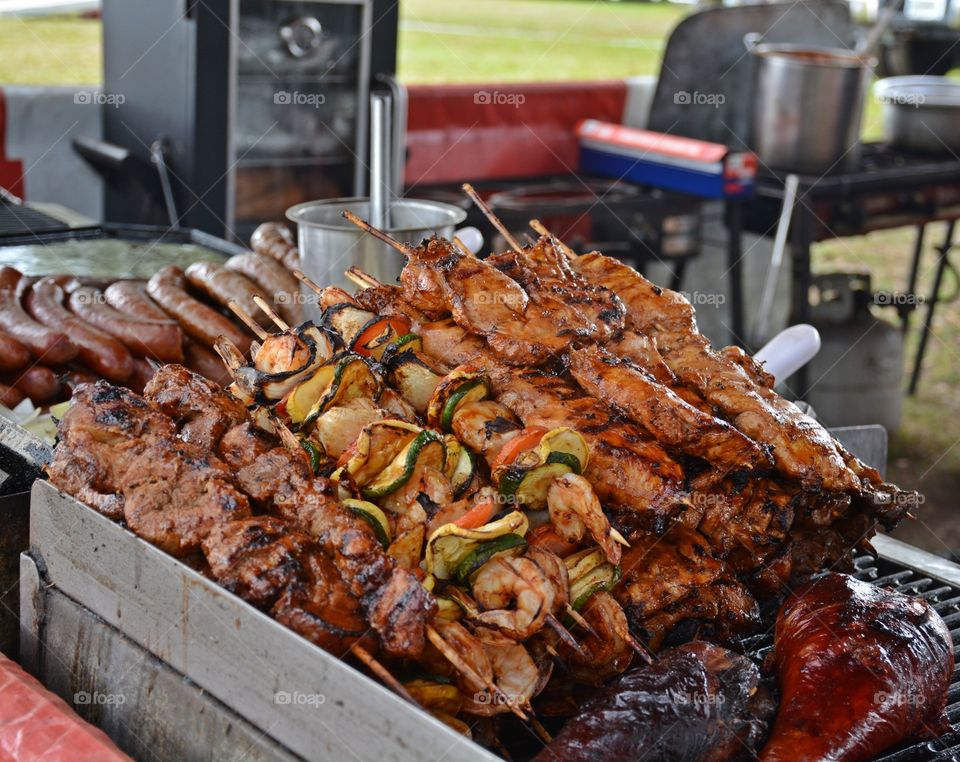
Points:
(375, 716)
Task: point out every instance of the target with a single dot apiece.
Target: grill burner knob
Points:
(301, 36)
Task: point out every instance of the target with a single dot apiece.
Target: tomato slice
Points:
(480, 514)
(546, 537)
(399, 324)
(526, 439)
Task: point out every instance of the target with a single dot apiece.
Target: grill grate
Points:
(946, 600)
(22, 220)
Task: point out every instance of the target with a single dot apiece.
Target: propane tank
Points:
(857, 378)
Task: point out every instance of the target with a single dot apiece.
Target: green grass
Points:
(51, 50)
(530, 40)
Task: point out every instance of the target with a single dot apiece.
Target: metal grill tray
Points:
(244, 658)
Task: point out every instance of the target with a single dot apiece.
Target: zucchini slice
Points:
(376, 447)
(461, 466)
(442, 697)
(344, 378)
(414, 377)
(561, 442)
(511, 544)
(589, 572)
(450, 544)
(316, 453)
(527, 487)
(601, 579)
(376, 518)
(458, 387)
(407, 341)
(427, 446)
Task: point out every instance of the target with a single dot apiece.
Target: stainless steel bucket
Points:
(329, 244)
(921, 113)
(808, 105)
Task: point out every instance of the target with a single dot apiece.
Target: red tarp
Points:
(485, 132)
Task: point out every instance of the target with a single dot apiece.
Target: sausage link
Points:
(160, 340)
(13, 354)
(39, 383)
(201, 360)
(130, 296)
(97, 350)
(274, 240)
(274, 279)
(74, 377)
(204, 324)
(44, 343)
(224, 286)
(142, 373)
(10, 396)
(9, 277)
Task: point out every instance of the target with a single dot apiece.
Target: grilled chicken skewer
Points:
(802, 448)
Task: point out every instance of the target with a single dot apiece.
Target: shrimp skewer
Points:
(575, 511)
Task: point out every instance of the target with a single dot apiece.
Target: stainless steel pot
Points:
(808, 105)
(921, 113)
(329, 244)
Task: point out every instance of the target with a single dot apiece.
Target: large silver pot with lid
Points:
(808, 104)
(921, 113)
(330, 244)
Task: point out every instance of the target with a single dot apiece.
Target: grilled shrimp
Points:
(575, 510)
(515, 672)
(466, 654)
(556, 572)
(607, 652)
(484, 427)
(515, 595)
(419, 498)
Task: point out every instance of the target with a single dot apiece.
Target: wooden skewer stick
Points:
(308, 282)
(268, 310)
(577, 617)
(552, 651)
(454, 658)
(540, 730)
(494, 220)
(403, 248)
(382, 672)
(540, 228)
(565, 635)
(154, 365)
(364, 277)
(356, 280)
(248, 321)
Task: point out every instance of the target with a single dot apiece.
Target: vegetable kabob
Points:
(408, 450)
(531, 468)
(531, 474)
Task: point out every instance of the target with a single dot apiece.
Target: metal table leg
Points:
(943, 254)
(735, 269)
(914, 270)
